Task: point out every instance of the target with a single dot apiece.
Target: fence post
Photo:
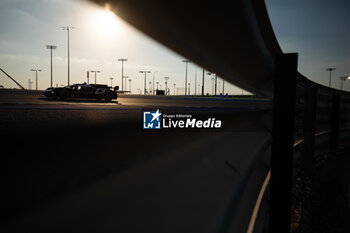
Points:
(283, 125)
(309, 126)
(334, 122)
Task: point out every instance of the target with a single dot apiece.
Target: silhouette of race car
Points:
(96, 91)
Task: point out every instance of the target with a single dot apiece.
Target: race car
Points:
(96, 91)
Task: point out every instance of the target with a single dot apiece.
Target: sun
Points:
(106, 23)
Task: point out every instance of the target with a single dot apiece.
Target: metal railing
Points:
(321, 126)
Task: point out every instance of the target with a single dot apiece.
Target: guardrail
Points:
(236, 41)
(309, 120)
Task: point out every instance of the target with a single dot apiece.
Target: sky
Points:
(317, 30)
(97, 41)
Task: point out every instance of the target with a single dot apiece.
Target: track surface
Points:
(88, 166)
(136, 101)
(34, 110)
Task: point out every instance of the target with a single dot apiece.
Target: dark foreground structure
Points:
(130, 180)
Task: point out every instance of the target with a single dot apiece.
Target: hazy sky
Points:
(317, 30)
(96, 43)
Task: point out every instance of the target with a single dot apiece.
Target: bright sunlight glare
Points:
(106, 23)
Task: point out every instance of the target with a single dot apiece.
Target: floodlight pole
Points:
(123, 60)
(145, 72)
(36, 77)
(223, 87)
(95, 71)
(68, 28)
(166, 84)
(51, 47)
(203, 82)
(195, 82)
(125, 78)
(186, 61)
(343, 79)
(216, 81)
(212, 85)
(154, 73)
(330, 75)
